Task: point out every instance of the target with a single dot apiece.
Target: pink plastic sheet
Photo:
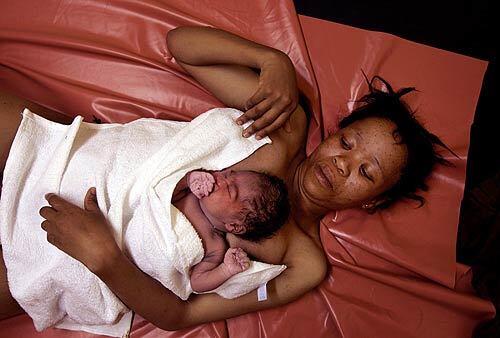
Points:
(392, 274)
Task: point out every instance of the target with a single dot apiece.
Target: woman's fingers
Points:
(47, 212)
(57, 202)
(270, 121)
(45, 225)
(90, 201)
(256, 98)
(51, 230)
(267, 116)
(256, 111)
(279, 122)
(261, 123)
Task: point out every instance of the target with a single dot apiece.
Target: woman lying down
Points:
(182, 247)
(380, 155)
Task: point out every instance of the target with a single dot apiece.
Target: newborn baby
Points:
(249, 204)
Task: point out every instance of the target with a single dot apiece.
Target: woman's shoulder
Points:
(282, 248)
(275, 158)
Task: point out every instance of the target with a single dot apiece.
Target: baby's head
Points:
(247, 203)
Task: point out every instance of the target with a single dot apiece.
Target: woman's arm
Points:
(222, 63)
(161, 307)
(85, 235)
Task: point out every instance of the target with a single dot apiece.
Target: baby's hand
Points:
(235, 261)
(200, 183)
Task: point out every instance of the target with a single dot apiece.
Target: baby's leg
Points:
(8, 305)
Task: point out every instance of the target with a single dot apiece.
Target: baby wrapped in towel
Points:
(248, 204)
(135, 168)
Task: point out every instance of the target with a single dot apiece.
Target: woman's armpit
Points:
(269, 251)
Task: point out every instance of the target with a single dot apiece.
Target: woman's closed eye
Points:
(345, 144)
(364, 172)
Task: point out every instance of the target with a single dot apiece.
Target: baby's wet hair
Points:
(268, 211)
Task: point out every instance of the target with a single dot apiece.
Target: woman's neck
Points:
(305, 213)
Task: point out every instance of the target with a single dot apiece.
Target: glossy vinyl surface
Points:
(392, 274)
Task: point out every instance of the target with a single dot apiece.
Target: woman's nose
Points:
(342, 165)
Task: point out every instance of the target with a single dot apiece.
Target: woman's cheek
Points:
(352, 191)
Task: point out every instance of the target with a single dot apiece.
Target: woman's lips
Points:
(324, 176)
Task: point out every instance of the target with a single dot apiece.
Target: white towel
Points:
(136, 169)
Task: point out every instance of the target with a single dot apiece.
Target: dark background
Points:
(464, 27)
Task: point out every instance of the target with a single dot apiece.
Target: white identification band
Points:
(262, 292)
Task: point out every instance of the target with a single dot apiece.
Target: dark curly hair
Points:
(268, 211)
(421, 144)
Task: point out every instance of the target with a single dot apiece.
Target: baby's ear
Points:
(236, 228)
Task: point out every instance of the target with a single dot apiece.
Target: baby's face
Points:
(232, 192)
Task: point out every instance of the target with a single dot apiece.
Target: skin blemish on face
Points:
(374, 158)
(363, 150)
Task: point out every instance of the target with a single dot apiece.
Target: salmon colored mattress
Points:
(392, 274)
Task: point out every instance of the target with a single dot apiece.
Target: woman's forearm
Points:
(85, 235)
(161, 307)
(142, 293)
(199, 46)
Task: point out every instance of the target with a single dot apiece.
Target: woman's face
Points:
(354, 166)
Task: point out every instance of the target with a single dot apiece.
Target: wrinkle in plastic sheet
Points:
(393, 274)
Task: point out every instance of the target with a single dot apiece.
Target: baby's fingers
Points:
(244, 265)
(240, 252)
(211, 178)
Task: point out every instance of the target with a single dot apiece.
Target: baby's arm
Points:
(217, 267)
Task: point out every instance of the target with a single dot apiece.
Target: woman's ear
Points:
(372, 205)
(235, 228)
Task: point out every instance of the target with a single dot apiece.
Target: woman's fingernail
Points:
(239, 123)
(258, 137)
(245, 134)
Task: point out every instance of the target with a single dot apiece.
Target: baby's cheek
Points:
(213, 195)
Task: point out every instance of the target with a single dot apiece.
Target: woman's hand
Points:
(83, 234)
(275, 99)
(204, 51)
